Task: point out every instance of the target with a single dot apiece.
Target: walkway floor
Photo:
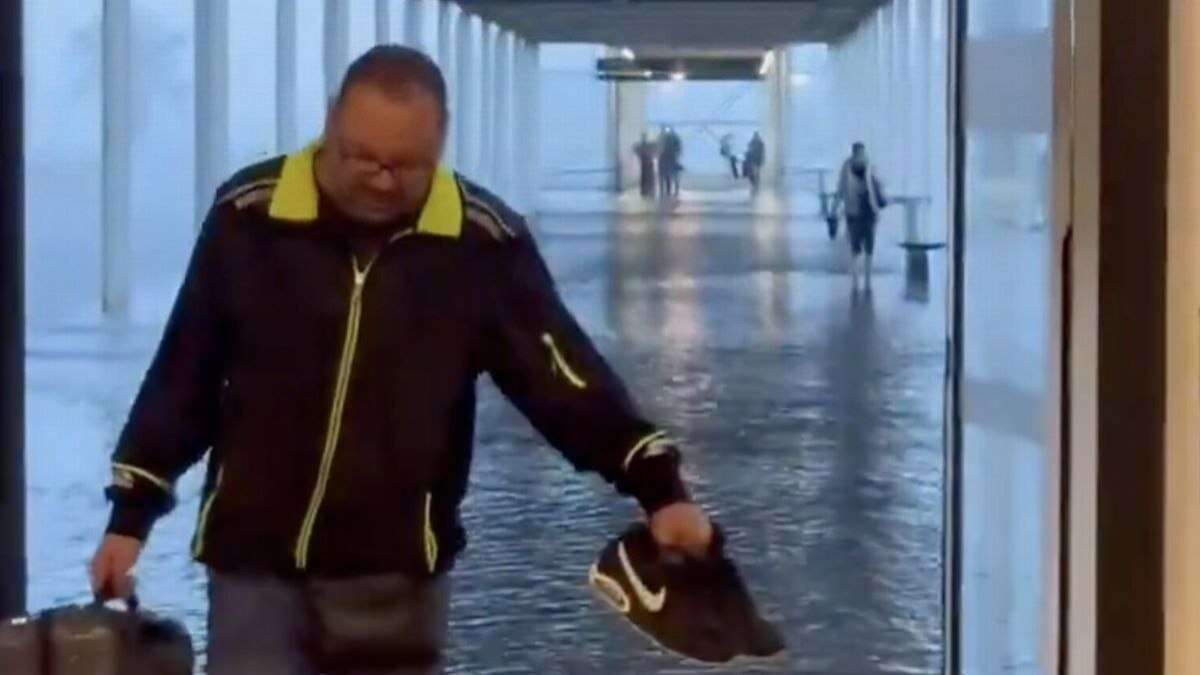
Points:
(811, 417)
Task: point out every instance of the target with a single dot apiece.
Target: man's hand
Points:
(682, 525)
(111, 565)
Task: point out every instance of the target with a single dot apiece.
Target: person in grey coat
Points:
(860, 195)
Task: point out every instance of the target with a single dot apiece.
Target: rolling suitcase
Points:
(95, 640)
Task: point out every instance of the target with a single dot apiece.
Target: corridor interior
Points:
(810, 408)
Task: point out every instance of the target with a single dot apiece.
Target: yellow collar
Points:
(295, 197)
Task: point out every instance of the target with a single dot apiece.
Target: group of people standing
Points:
(660, 163)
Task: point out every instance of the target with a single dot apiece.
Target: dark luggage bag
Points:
(95, 640)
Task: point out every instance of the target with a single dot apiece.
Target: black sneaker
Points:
(696, 607)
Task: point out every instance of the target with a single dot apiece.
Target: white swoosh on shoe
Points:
(653, 602)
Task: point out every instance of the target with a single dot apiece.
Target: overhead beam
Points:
(743, 23)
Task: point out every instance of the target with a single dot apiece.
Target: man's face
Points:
(381, 152)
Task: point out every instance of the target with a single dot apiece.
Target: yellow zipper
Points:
(333, 430)
(561, 363)
(198, 544)
(431, 542)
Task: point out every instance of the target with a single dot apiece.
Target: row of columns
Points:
(492, 79)
(889, 82)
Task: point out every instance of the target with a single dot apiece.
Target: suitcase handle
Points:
(131, 603)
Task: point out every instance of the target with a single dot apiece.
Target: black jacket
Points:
(338, 396)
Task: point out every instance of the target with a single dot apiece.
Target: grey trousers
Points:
(376, 625)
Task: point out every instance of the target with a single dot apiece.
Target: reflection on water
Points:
(811, 417)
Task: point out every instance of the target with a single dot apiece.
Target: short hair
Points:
(396, 70)
(858, 145)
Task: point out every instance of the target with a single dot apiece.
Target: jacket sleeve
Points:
(543, 362)
(171, 422)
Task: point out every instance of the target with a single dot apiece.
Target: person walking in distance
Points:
(670, 148)
(323, 350)
(728, 154)
(756, 156)
(861, 197)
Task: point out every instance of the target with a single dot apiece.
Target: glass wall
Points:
(1008, 482)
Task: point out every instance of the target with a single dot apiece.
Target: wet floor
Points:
(810, 414)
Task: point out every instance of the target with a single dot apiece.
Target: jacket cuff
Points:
(131, 521)
(655, 482)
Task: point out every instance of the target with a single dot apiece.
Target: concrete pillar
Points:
(285, 76)
(503, 95)
(532, 140)
(414, 23)
(900, 172)
(774, 122)
(882, 49)
(336, 45)
(445, 59)
(527, 93)
(383, 21)
(487, 104)
(885, 114)
(612, 125)
(521, 128)
(921, 54)
(12, 303)
(212, 101)
(938, 117)
(117, 253)
(465, 95)
(631, 123)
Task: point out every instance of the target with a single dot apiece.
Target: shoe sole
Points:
(594, 576)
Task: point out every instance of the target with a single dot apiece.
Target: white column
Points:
(775, 113)
(880, 111)
(445, 59)
(896, 169)
(212, 101)
(911, 88)
(336, 45)
(521, 128)
(383, 21)
(532, 150)
(465, 95)
(414, 23)
(897, 100)
(631, 123)
(502, 95)
(487, 104)
(285, 76)
(117, 254)
(612, 124)
(938, 117)
(920, 52)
